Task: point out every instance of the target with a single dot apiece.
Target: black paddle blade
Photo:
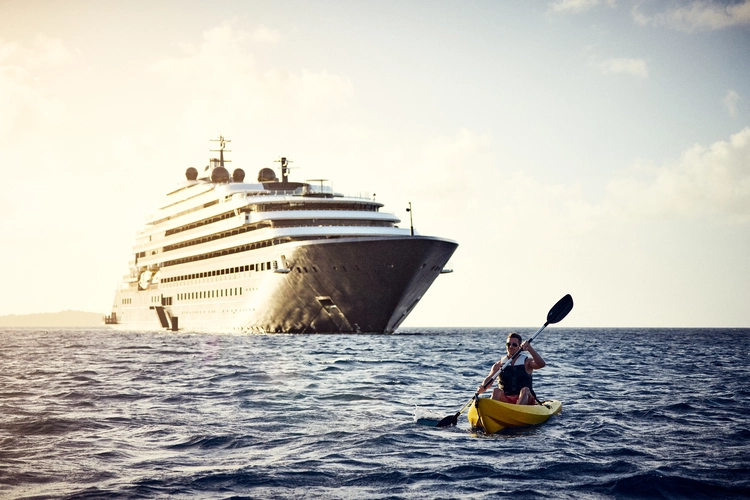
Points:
(449, 420)
(560, 310)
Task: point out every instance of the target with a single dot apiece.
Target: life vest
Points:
(515, 377)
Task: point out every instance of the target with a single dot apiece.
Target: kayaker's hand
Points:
(480, 389)
(525, 345)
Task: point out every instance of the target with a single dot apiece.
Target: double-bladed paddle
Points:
(555, 315)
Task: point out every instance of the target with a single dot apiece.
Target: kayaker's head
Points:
(513, 343)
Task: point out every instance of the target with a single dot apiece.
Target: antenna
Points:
(411, 220)
(222, 144)
(284, 168)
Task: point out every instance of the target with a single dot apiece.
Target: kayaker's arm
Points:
(536, 360)
(487, 380)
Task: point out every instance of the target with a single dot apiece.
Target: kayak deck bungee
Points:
(493, 416)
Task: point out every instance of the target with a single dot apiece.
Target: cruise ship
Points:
(273, 256)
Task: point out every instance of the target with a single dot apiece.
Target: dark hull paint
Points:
(352, 285)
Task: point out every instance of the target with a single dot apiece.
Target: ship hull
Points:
(337, 285)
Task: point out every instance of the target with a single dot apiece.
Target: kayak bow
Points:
(493, 416)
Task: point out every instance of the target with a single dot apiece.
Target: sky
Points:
(597, 148)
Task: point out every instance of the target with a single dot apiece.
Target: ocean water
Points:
(92, 413)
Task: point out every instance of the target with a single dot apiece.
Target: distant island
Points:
(62, 318)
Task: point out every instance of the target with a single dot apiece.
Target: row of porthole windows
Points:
(127, 301)
(210, 294)
(262, 266)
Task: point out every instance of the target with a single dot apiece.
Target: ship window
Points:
(247, 268)
(268, 265)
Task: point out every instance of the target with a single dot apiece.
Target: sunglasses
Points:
(511, 344)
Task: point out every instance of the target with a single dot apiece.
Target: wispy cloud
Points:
(24, 70)
(266, 35)
(275, 92)
(713, 180)
(699, 15)
(635, 67)
(731, 100)
(577, 6)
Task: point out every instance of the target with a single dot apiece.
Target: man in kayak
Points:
(515, 379)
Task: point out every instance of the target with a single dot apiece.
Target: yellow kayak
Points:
(493, 416)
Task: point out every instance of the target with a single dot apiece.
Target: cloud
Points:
(731, 100)
(25, 102)
(577, 6)
(635, 67)
(705, 181)
(220, 77)
(699, 15)
(264, 34)
(44, 51)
